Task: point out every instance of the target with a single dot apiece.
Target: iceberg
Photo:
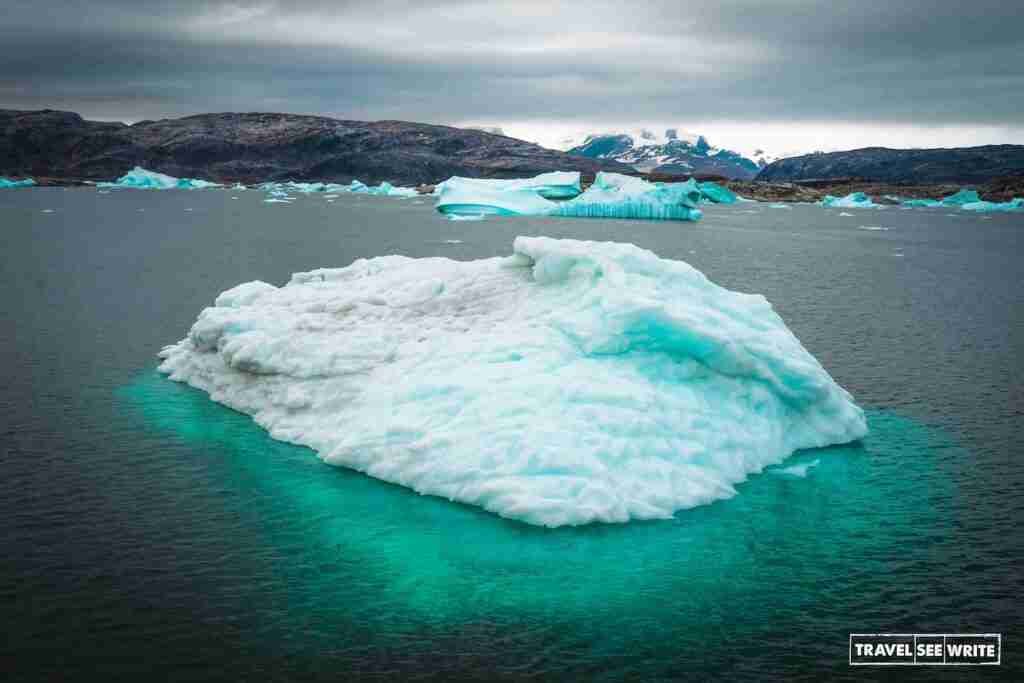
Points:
(473, 197)
(140, 178)
(6, 183)
(961, 197)
(568, 383)
(384, 189)
(926, 203)
(715, 193)
(854, 200)
(614, 195)
(553, 185)
(1015, 204)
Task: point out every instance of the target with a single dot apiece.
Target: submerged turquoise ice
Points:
(6, 183)
(141, 179)
(569, 383)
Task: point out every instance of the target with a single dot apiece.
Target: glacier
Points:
(568, 383)
(6, 183)
(717, 194)
(141, 179)
(614, 195)
(854, 200)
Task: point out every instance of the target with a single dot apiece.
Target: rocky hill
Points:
(966, 165)
(258, 147)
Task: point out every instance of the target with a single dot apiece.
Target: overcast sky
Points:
(787, 76)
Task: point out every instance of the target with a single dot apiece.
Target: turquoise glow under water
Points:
(391, 560)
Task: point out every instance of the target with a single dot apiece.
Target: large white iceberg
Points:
(140, 178)
(571, 382)
(614, 195)
(7, 183)
(854, 200)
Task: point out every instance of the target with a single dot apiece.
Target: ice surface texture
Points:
(142, 179)
(854, 200)
(571, 382)
(10, 182)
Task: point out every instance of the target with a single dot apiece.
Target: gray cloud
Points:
(915, 62)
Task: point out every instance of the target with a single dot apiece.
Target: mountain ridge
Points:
(254, 147)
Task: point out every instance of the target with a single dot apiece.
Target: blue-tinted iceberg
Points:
(715, 193)
(553, 185)
(6, 183)
(1015, 204)
(963, 196)
(614, 195)
(474, 197)
(571, 382)
(854, 200)
(140, 178)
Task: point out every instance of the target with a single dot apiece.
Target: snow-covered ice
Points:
(140, 178)
(553, 185)
(568, 383)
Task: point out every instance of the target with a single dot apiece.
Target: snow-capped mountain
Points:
(668, 152)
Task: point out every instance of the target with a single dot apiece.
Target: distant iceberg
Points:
(614, 195)
(473, 197)
(715, 193)
(553, 185)
(854, 200)
(6, 183)
(922, 203)
(1015, 204)
(385, 189)
(963, 196)
(571, 382)
(140, 178)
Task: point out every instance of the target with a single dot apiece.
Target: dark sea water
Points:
(148, 533)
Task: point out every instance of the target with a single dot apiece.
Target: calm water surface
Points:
(148, 532)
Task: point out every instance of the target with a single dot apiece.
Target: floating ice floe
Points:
(571, 382)
(854, 200)
(779, 205)
(614, 195)
(141, 179)
(715, 193)
(8, 183)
